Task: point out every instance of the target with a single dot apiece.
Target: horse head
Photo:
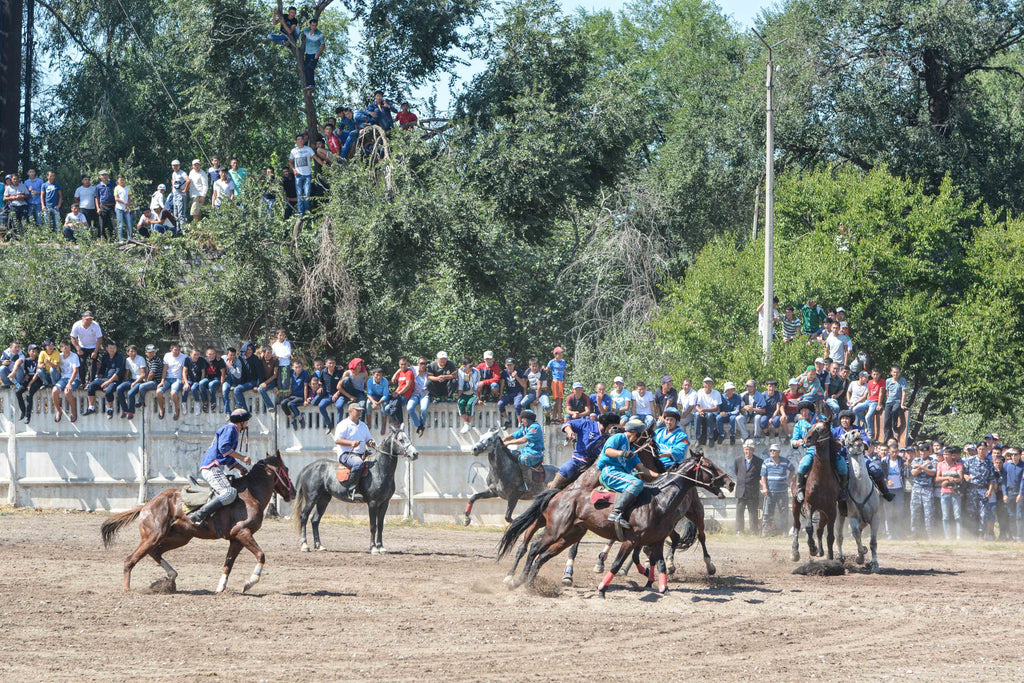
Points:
(282, 482)
(488, 442)
(706, 473)
(401, 444)
(853, 443)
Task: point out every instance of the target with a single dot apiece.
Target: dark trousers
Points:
(707, 427)
(25, 403)
(309, 65)
(751, 503)
(108, 221)
(893, 420)
(92, 219)
(87, 366)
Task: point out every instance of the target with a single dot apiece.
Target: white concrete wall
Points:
(100, 464)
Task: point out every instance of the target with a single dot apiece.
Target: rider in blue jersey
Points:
(590, 436)
(222, 453)
(848, 423)
(803, 427)
(671, 441)
(617, 462)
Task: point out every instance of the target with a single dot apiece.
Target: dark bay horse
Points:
(504, 475)
(317, 483)
(569, 514)
(822, 493)
(164, 525)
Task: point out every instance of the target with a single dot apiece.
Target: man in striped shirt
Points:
(775, 474)
(791, 324)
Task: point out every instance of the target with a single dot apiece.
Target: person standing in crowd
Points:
(238, 177)
(748, 479)
(52, 198)
(268, 183)
(811, 316)
(135, 374)
(198, 188)
(405, 118)
(157, 202)
(179, 193)
(282, 349)
(16, 196)
(87, 336)
(857, 398)
(381, 111)
(922, 470)
(556, 382)
(123, 209)
(314, 48)
(838, 383)
(213, 172)
(107, 205)
(895, 403)
(111, 371)
(979, 473)
(468, 379)
(1013, 474)
(223, 189)
(643, 404)
(791, 325)
(776, 473)
(301, 165)
(999, 505)
(894, 468)
(34, 185)
(287, 24)
(950, 475)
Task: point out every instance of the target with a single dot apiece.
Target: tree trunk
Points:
(26, 125)
(10, 82)
(940, 94)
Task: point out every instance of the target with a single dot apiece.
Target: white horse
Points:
(863, 501)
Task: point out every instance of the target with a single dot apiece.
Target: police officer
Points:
(979, 473)
(922, 472)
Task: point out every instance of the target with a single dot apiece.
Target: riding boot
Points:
(623, 506)
(883, 488)
(801, 487)
(844, 486)
(559, 482)
(350, 489)
(200, 516)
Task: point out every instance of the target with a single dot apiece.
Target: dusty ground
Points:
(435, 607)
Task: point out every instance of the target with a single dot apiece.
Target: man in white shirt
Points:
(87, 337)
(179, 192)
(198, 188)
(172, 379)
(708, 403)
(156, 202)
(86, 195)
(282, 349)
(351, 437)
(223, 189)
(686, 403)
(16, 196)
(300, 161)
(836, 344)
(68, 382)
(642, 404)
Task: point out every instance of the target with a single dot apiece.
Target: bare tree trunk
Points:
(10, 81)
(298, 50)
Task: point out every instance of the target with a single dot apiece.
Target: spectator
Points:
(752, 409)
(622, 400)
(404, 381)
(1013, 473)
(643, 404)
(8, 361)
(316, 396)
(536, 387)
(198, 187)
(74, 220)
(686, 403)
(600, 402)
(857, 399)
(419, 402)
(35, 196)
(791, 325)
(347, 131)
(314, 43)
(135, 374)
(556, 375)
(111, 371)
(282, 349)
(290, 192)
(179, 193)
(238, 176)
(999, 505)
(771, 419)
(49, 364)
(207, 388)
(709, 401)
(172, 379)
(333, 141)
(223, 189)
(298, 394)
(791, 406)
(513, 388)
(269, 182)
(811, 316)
(52, 198)
(213, 172)
(923, 471)
(377, 393)
(748, 474)
(158, 202)
(838, 345)
(353, 385)
(895, 404)
(405, 118)
(875, 389)
(194, 371)
(107, 206)
(838, 382)
(330, 378)
(29, 368)
(381, 111)
(775, 315)
(123, 210)
(157, 220)
(232, 377)
(810, 384)
(577, 405)
(68, 382)
(894, 468)
(16, 196)
(729, 414)
(152, 377)
(87, 336)
(468, 378)
(251, 374)
(666, 396)
(269, 376)
(287, 24)
(776, 472)
(301, 166)
(490, 378)
(950, 474)
(979, 473)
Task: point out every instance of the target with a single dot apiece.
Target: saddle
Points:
(533, 474)
(342, 474)
(602, 497)
(196, 494)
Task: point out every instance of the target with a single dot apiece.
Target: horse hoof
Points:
(600, 593)
(320, 547)
(599, 568)
(795, 557)
(875, 569)
(860, 559)
(510, 581)
(374, 550)
(711, 570)
(671, 570)
(381, 550)
(246, 587)
(467, 521)
(305, 548)
(567, 580)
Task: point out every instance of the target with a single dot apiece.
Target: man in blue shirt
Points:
(729, 413)
(222, 453)
(803, 427)
(671, 440)
(895, 403)
(314, 41)
(980, 475)
(107, 205)
(775, 474)
(751, 410)
(589, 436)
(1013, 473)
(771, 418)
(381, 111)
(52, 198)
(35, 196)
(617, 462)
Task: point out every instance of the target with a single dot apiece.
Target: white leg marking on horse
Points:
(223, 583)
(254, 579)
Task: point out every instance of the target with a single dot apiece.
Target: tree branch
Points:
(75, 37)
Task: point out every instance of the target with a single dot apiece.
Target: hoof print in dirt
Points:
(823, 568)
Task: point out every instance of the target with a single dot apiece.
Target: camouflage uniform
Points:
(982, 473)
(921, 496)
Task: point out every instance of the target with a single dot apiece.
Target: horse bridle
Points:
(698, 465)
(284, 481)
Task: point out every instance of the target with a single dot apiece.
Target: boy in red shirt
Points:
(405, 118)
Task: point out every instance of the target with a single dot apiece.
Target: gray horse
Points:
(864, 504)
(504, 475)
(317, 483)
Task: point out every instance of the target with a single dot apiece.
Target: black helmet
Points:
(529, 415)
(609, 420)
(636, 426)
(805, 404)
(240, 415)
(848, 413)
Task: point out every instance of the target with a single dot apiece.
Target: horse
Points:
(865, 499)
(505, 476)
(821, 493)
(164, 525)
(317, 483)
(570, 513)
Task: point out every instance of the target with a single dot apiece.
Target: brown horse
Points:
(570, 513)
(164, 525)
(822, 493)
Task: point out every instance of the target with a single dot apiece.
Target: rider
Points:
(617, 463)
(848, 423)
(222, 453)
(803, 426)
(530, 439)
(671, 440)
(351, 437)
(590, 437)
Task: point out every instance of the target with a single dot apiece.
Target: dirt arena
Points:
(435, 608)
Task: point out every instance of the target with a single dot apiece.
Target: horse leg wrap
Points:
(662, 582)
(606, 581)
(469, 506)
(222, 584)
(643, 571)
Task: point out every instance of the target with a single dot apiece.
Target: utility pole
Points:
(26, 125)
(767, 321)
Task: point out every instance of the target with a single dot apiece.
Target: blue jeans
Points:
(869, 419)
(309, 66)
(239, 392)
(52, 217)
(417, 408)
(834, 405)
(206, 390)
(36, 212)
(137, 394)
(279, 38)
(263, 392)
(324, 405)
(950, 503)
(122, 396)
(108, 393)
(515, 400)
(62, 383)
(348, 139)
(729, 420)
(1016, 514)
(543, 400)
(764, 420)
(5, 376)
(48, 379)
(124, 224)
(169, 385)
(302, 186)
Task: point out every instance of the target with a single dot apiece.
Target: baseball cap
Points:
(150, 347)
(970, 447)
(990, 436)
(443, 355)
(104, 172)
(844, 325)
(510, 361)
(558, 349)
(488, 355)
(840, 310)
(729, 385)
(666, 379)
(749, 443)
(819, 359)
(32, 346)
(772, 383)
(176, 162)
(864, 373)
(577, 385)
(355, 405)
(774, 447)
(87, 314)
(793, 381)
(708, 379)
(161, 186)
(751, 383)
(196, 161)
(618, 380)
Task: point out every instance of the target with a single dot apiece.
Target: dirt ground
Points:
(435, 608)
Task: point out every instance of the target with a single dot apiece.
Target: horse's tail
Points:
(521, 523)
(298, 504)
(689, 535)
(114, 524)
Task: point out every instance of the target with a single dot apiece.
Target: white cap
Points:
(749, 443)
(488, 355)
(196, 161)
(840, 310)
(729, 385)
(819, 359)
(443, 355)
(175, 163)
(775, 447)
(793, 380)
(161, 186)
(619, 380)
(708, 379)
